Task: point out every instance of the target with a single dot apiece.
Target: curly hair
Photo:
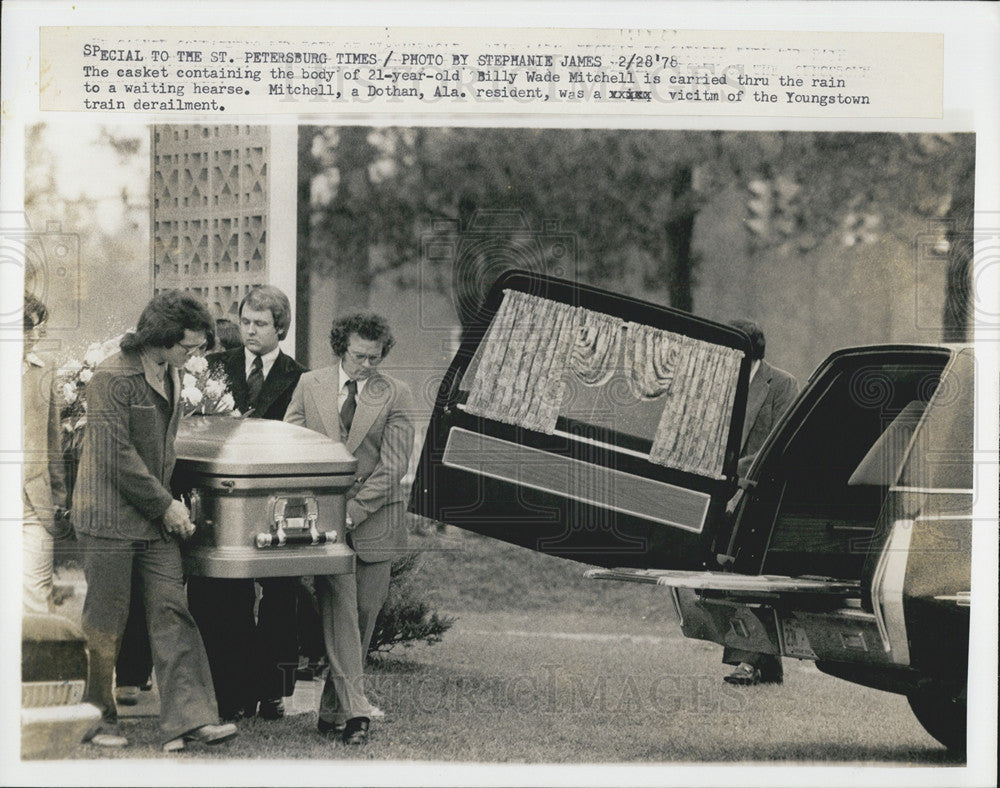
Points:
(366, 325)
(166, 318)
(756, 335)
(271, 299)
(35, 312)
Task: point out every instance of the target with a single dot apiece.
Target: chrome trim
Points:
(938, 490)
(37, 694)
(877, 580)
(752, 584)
(961, 599)
(475, 459)
(677, 605)
(887, 592)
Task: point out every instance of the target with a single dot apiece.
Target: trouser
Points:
(135, 658)
(310, 623)
(769, 665)
(343, 693)
(276, 637)
(187, 700)
(250, 661)
(372, 589)
(223, 609)
(37, 553)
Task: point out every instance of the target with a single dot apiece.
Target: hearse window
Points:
(941, 457)
(836, 469)
(553, 368)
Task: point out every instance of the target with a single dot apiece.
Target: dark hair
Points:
(366, 325)
(227, 334)
(166, 318)
(272, 299)
(35, 312)
(756, 335)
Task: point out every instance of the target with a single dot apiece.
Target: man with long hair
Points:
(127, 519)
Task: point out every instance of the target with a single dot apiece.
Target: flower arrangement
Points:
(204, 392)
(71, 385)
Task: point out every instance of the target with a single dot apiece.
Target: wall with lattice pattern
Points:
(211, 208)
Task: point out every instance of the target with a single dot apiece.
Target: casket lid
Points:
(223, 445)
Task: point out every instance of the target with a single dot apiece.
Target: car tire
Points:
(942, 712)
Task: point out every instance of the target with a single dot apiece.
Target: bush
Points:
(405, 620)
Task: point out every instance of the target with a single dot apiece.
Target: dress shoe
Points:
(206, 734)
(233, 715)
(271, 709)
(332, 729)
(126, 696)
(356, 731)
(745, 675)
(106, 735)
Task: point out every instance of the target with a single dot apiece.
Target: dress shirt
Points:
(267, 360)
(342, 395)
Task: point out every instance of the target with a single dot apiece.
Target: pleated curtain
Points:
(533, 343)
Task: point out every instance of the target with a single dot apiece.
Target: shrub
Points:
(405, 620)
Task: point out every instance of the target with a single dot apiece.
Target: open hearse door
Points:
(588, 425)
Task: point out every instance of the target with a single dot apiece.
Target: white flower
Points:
(93, 356)
(86, 375)
(71, 367)
(196, 365)
(111, 346)
(69, 393)
(226, 403)
(214, 388)
(189, 382)
(192, 396)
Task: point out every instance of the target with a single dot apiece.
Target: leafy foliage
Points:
(627, 200)
(404, 620)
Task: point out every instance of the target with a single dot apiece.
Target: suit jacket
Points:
(44, 470)
(127, 458)
(381, 438)
(772, 391)
(278, 385)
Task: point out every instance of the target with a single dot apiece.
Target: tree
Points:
(626, 200)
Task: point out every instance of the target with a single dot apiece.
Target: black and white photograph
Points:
(430, 448)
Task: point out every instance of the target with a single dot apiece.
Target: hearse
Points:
(603, 429)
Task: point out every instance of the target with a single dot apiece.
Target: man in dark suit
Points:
(127, 520)
(369, 411)
(253, 662)
(771, 392)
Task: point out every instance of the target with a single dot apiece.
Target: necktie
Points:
(255, 382)
(350, 405)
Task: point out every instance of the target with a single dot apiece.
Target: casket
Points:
(267, 498)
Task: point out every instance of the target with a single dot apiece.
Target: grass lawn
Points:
(543, 666)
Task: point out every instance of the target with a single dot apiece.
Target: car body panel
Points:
(54, 666)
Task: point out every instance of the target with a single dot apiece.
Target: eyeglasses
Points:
(360, 358)
(192, 348)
